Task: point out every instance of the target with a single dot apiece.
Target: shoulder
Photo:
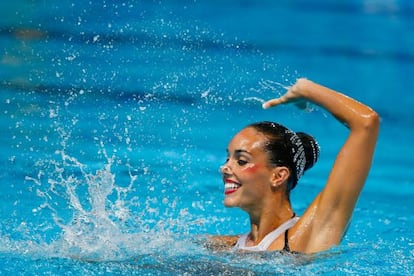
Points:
(220, 243)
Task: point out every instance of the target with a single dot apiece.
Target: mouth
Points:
(230, 186)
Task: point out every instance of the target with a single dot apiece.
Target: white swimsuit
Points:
(267, 240)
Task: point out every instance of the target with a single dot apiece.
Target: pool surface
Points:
(115, 117)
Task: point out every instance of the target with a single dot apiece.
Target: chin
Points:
(229, 203)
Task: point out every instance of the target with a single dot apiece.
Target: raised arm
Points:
(327, 217)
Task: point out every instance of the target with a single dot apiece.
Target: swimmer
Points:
(266, 160)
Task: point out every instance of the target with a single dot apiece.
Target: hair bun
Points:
(311, 147)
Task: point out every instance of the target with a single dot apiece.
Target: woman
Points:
(265, 161)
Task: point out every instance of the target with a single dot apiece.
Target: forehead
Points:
(248, 139)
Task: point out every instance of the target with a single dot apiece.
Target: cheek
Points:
(251, 168)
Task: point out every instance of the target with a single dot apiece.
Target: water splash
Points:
(254, 99)
(103, 210)
(95, 221)
(273, 85)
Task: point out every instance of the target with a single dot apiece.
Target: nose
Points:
(225, 169)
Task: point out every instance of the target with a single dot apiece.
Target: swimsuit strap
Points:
(286, 247)
(242, 241)
(272, 236)
(268, 239)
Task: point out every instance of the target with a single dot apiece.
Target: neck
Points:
(268, 218)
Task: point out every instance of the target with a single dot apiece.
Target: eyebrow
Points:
(239, 151)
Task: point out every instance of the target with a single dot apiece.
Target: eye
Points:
(242, 162)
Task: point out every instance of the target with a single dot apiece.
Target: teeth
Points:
(231, 186)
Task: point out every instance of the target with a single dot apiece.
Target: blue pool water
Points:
(115, 117)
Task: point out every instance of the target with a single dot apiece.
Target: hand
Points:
(293, 95)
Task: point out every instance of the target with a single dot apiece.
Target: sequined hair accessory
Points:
(298, 153)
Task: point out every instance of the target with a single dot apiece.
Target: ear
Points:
(280, 175)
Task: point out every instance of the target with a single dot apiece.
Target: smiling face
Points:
(247, 174)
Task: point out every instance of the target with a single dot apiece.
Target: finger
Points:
(272, 103)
